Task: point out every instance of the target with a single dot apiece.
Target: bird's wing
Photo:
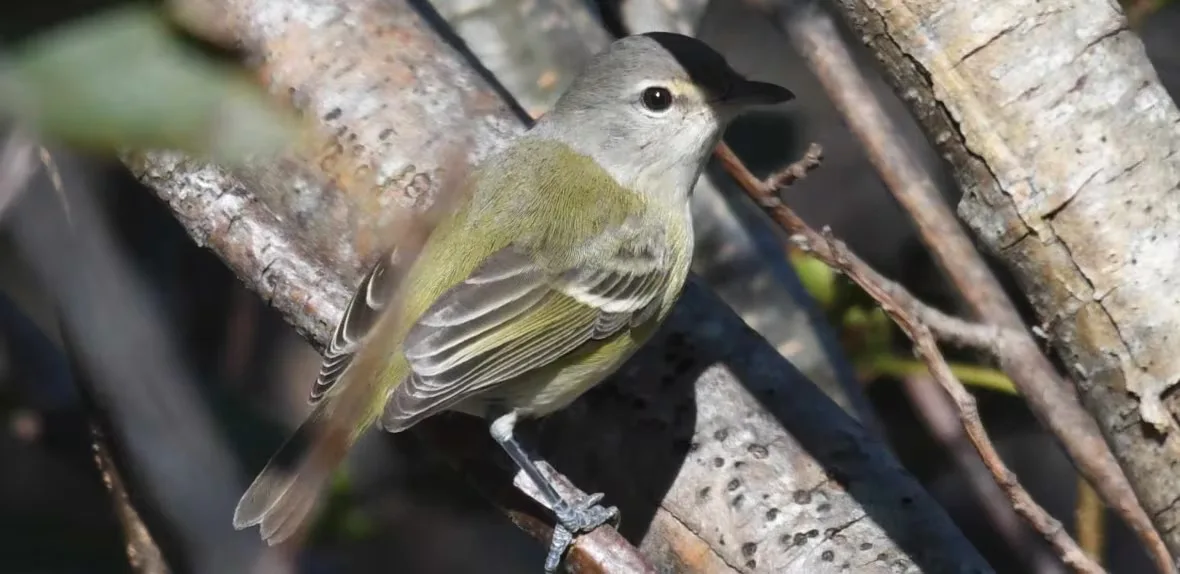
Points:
(374, 292)
(511, 316)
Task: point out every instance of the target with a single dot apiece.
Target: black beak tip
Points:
(768, 93)
(749, 92)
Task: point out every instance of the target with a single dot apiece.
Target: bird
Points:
(564, 253)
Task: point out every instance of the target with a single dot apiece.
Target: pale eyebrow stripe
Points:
(681, 87)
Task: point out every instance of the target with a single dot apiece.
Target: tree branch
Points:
(692, 447)
(941, 417)
(1048, 395)
(834, 253)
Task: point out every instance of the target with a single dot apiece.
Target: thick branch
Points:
(1066, 147)
(1047, 394)
(704, 472)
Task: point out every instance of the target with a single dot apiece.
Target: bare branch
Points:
(941, 418)
(143, 553)
(836, 255)
(1048, 395)
(681, 16)
(1024, 504)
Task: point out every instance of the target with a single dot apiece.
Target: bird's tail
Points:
(286, 491)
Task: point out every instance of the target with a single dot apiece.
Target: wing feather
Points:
(375, 290)
(512, 316)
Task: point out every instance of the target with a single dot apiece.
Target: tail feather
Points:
(286, 491)
(287, 519)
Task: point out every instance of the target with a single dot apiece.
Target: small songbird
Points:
(564, 254)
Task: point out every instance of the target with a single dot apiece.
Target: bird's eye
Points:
(656, 99)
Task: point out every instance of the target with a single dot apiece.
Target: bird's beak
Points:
(745, 92)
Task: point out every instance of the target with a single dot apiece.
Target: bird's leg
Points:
(573, 517)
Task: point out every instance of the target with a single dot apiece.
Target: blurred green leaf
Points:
(868, 331)
(971, 375)
(121, 79)
(879, 331)
(818, 279)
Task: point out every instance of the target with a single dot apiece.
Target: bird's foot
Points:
(573, 519)
(586, 514)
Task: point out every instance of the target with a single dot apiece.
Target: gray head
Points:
(651, 107)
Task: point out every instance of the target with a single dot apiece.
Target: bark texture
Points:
(1066, 147)
(535, 49)
(682, 16)
(692, 446)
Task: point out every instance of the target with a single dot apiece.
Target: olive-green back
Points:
(539, 195)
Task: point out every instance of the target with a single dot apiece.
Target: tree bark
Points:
(692, 447)
(1066, 147)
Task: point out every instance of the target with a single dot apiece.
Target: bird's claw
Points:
(561, 541)
(573, 519)
(586, 514)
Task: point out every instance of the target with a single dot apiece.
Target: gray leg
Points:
(573, 517)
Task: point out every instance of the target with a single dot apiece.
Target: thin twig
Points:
(1022, 502)
(834, 253)
(1049, 397)
(946, 327)
(143, 553)
(940, 416)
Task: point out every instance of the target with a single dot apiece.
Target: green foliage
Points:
(817, 278)
(868, 334)
(973, 376)
(872, 327)
(123, 79)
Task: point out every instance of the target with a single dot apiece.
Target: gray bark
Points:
(689, 441)
(534, 48)
(1068, 152)
(682, 16)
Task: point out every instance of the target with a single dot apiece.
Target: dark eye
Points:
(656, 99)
